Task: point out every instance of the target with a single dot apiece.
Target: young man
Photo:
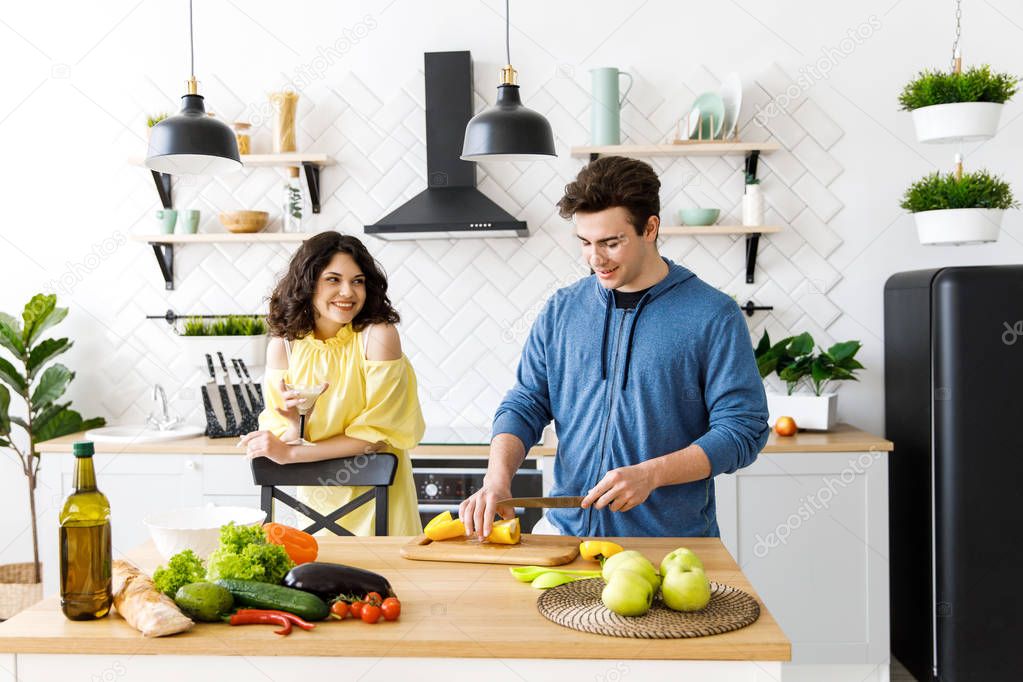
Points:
(647, 371)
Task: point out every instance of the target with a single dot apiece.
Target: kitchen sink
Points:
(141, 433)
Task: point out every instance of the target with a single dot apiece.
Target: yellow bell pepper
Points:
(443, 527)
(595, 549)
(505, 532)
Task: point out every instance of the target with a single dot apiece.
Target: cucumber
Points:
(266, 596)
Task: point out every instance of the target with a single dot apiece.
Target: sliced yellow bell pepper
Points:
(443, 527)
(595, 549)
(505, 532)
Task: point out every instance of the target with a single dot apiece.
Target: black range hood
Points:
(450, 206)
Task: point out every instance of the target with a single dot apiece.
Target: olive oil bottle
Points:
(85, 549)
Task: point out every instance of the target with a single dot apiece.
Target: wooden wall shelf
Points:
(695, 230)
(683, 149)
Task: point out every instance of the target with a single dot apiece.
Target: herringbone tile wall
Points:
(467, 305)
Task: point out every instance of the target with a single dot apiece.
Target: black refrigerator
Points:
(954, 410)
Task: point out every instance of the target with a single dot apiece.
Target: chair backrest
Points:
(375, 469)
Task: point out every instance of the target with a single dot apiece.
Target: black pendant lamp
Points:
(192, 142)
(508, 131)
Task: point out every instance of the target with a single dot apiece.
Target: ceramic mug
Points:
(606, 105)
(167, 217)
(188, 221)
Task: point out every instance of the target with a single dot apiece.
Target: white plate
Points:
(731, 93)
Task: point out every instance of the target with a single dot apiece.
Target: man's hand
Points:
(266, 444)
(477, 511)
(621, 489)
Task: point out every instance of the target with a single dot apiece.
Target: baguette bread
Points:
(144, 607)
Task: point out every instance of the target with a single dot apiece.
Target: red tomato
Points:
(340, 609)
(391, 608)
(356, 609)
(370, 613)
(374, 598)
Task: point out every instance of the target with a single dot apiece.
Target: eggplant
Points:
(328, 581)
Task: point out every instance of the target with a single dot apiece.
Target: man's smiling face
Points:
(611, 246)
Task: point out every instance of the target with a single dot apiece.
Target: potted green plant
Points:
(807, 377)
(957, 106)
(236, 336)
(958, 210)
(152, 121)
(38, 383)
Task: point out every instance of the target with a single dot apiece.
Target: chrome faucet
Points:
(161, 421)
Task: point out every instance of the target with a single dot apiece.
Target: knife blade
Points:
(551, 502)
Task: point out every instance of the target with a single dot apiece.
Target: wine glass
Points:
(307, 395)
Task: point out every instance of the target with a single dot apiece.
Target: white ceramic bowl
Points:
(196, 528)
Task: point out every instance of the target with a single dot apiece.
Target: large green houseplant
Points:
(37, 382)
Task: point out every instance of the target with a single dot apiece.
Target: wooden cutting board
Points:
(532, 550)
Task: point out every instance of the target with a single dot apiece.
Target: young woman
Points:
(332, 323)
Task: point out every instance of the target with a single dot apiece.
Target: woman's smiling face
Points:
(340, 294)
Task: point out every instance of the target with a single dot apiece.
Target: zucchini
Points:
(266, 596)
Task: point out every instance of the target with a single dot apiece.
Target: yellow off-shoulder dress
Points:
(374, 400)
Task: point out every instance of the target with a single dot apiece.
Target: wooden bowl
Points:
(244, 221)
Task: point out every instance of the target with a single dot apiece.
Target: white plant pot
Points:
(251, 349)
(957, 122)
(810, 411)
(953, 226)
(753, 206)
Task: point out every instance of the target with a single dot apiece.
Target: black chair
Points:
(375, 470)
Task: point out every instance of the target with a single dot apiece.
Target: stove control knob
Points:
(431, 490)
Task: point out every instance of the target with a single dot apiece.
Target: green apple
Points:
(685, 590)
(682, 557)
(634, 561)
(627, 593)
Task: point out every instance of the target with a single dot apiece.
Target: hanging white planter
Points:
(251, 349)
(955, 226)
(957, 122)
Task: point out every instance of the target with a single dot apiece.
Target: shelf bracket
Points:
(751, 163)
(752, 243)
(163, 188)
(312, 179)
(165, 259)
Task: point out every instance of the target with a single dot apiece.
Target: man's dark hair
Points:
(614, 181)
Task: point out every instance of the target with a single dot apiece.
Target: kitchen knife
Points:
(241, 390)
(216, 397)
(253, 386)
(231, 411)
(553, 502)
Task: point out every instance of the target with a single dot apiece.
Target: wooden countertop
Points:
(843, 438)
(448, 610)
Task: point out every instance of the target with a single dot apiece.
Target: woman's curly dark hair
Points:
(291, 304)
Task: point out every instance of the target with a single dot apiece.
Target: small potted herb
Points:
(958, 210)
(236, 336)
(807, 376)
(152, 121)
(957, 106)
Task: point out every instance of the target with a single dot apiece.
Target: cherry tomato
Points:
(374, 598)
(356, 609)
(391, 608)
(340, 609)
(370, 613)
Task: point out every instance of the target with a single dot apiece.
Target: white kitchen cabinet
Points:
(810, 529)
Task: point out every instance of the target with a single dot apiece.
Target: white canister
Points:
(753, 206)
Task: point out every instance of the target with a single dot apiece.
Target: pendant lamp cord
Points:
(191, 43)
(507, 30)
(956, 58)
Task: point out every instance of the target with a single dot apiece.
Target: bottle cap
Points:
(83, 448)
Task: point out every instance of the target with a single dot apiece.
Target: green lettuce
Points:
(244, 554)
(184, 568)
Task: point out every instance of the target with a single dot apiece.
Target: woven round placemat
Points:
(577, 605)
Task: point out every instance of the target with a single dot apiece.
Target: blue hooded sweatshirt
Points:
(624, 386)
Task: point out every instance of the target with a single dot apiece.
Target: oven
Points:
(442, 484)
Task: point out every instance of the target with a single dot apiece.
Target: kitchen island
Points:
(458, 621)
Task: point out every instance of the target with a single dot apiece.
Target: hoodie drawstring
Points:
(603, 341)
(628, 344)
